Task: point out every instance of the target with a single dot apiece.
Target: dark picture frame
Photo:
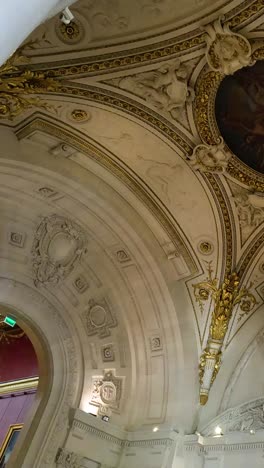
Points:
(9, 443)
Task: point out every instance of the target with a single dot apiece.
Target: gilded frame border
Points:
(204, 111)
(12, 429)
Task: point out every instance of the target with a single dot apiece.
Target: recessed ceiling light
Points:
(155, 429)
(218, 430)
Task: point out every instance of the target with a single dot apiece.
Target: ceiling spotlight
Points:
(66, 16)
(252, 431)
(155, 429)
(218, 431)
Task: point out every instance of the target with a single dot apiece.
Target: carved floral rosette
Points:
(58, 245)
(206, 89)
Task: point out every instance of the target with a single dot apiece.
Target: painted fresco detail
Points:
(240, 114)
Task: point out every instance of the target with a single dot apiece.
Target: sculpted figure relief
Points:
(226, 51)
(250, 207)
(210, 158)
(165, 88)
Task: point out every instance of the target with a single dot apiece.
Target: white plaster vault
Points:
(112, 206)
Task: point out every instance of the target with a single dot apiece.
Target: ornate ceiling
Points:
(121, 201)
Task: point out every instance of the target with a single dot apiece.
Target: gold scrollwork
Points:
(225, 297)
(17, 83)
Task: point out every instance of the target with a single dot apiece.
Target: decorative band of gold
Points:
(18, 386)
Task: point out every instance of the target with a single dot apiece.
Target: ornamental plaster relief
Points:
(114, 22)
(210, 158)
(226, 51)
(99, 319)
(166, 88)
(250, 209)
(108, 391)
(58, 245)
(244, 418)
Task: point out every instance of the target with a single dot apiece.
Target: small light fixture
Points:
(218, 431)
(155, 429)
(9, 321)
(252, 431)
(105, 418)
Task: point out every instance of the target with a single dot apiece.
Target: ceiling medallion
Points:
(71, 33)
(205, 247)
(17, 84)
(80, 115)
(232, 107)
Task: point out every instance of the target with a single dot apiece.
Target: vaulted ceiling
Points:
(100, 148)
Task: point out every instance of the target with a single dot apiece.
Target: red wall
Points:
(13, 410)
(17, 360)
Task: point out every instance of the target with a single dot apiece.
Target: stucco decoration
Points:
(98, 319)
(166, 88)
(107, 390)
(66, 459)
(250, 206)
(210, 158)
(226, 51)
(248, 417)
(58, 245)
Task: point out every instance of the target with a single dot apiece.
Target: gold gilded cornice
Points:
(17, 386)
(163, 50)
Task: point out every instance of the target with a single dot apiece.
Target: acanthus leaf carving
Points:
(58, 245)
(226, 51)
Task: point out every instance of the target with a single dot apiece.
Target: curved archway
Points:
(60, 373)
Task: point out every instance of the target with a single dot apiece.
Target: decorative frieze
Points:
(248, 417)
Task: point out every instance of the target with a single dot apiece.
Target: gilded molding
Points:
(19, 386)
(167, 49)
(17, 84)
(226, 297)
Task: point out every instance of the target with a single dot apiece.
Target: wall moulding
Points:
(151, 53)
(164, 219)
